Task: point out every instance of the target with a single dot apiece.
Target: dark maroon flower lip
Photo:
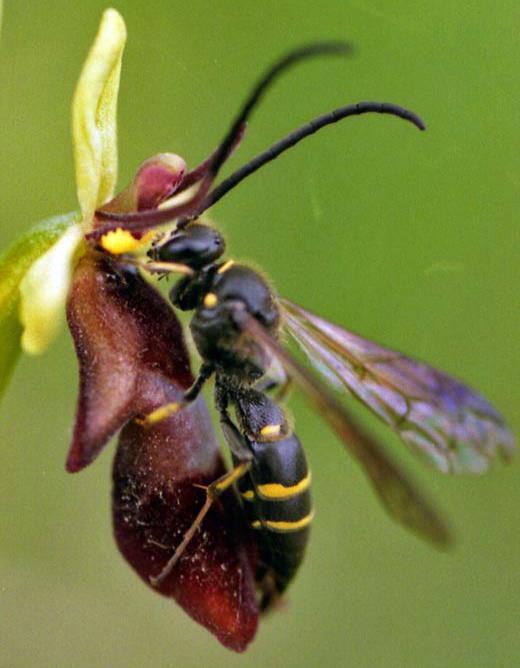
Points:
(156, 495)
(133, 359)
(128, 343)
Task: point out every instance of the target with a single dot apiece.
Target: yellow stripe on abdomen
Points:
(273, 491)
(284, 526)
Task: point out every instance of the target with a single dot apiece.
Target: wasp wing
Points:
(437, 416)
(399, 496)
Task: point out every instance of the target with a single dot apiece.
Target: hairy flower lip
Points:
(127, 341)
(155, 499)
(133, 359)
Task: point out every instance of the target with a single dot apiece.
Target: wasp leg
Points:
(163, 412)
(213, 491)
(235, 440)
(162, 268)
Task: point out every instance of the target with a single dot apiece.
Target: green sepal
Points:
(14, 264)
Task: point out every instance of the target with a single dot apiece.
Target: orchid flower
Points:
(132, 359)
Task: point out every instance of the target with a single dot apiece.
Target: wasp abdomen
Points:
(276, 491)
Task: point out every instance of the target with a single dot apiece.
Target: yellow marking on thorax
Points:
(271, 430)
(122, 241)
(256, 524)
(248, 495)
(273, 491)
(210, 300)
(227, 265)
(284, 526)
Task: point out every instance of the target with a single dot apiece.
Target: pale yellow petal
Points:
(44, 289)
(94, 108)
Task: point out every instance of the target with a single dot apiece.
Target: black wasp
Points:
(236, 325)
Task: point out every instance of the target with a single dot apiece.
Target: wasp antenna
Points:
(151, 218)
(301, 133)
(284, 63)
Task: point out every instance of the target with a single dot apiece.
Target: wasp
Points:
(236, 326)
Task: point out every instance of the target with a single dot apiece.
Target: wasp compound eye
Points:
(196, 245)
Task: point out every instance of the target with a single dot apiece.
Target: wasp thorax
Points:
(197, 245)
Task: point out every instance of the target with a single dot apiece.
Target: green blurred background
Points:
(411, 239)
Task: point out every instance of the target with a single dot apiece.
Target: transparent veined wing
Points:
(403, 501)
(437, 416)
